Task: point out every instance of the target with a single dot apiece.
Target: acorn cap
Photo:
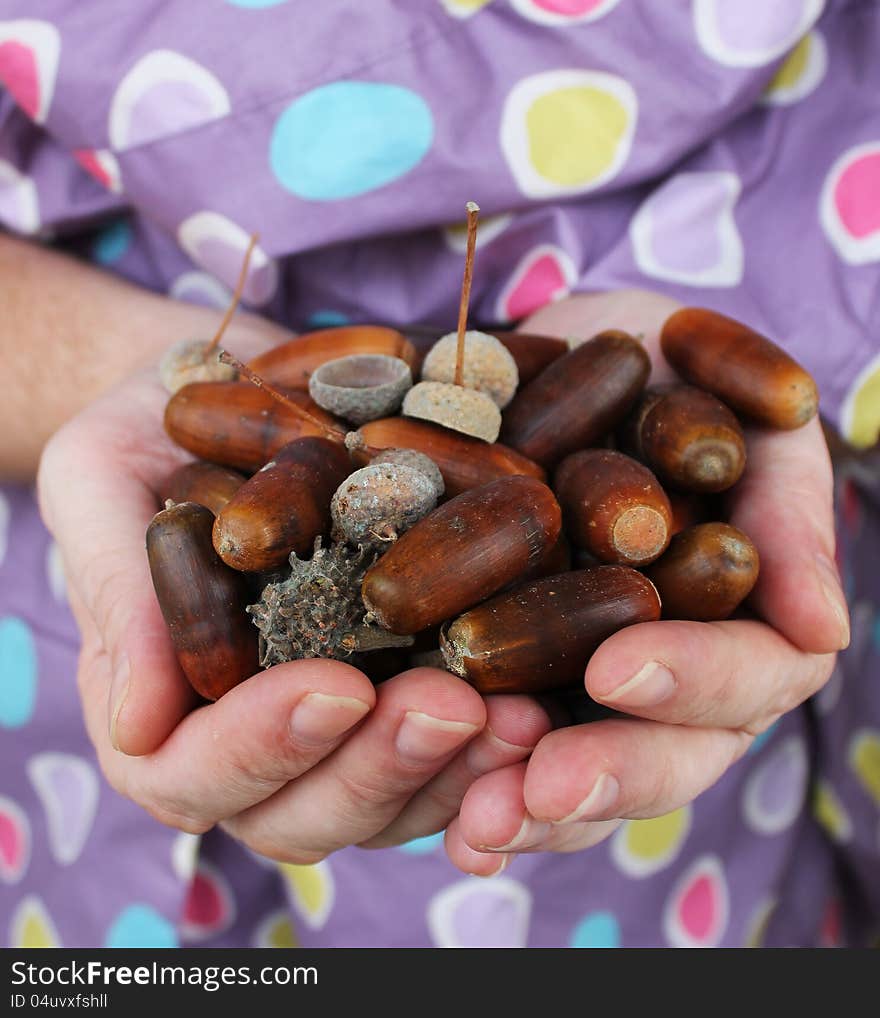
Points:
(453, 406)
(376, 504)
(418, 461)
(361, 387)
(189, 361)
(488, 365)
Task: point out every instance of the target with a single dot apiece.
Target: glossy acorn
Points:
(205, 483)
(283, 507)
(613, 506)
(239, 425)
(202, 600)
(531, 352)
(291, 365)
(464, 462)
(689, 438)
(706, 573)
(578, 399)
(540, 635)
(462, 553)
(746, 370)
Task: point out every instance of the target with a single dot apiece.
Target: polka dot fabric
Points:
(350, 145)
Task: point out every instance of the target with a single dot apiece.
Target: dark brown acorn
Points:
(464, 462)
(462, 553)
(613, 506)
(690, 439)
(578, 399)
(291, 364)
(239, 425)
(689, 509)
(204, 483)
(283, 507)
(706, 573)
(749, 372)
(202, 600)
(540, 635)
(532, 352)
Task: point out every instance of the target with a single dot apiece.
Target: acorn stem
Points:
(226, 358)
(236, 296)
(473, 213)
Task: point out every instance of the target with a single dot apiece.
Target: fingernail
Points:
(422, 739)
(830, 584)
(652, 684)
(119, 687)
(597, 804)
(319, 718)
(531, 833)
(484, 753)
(505, 862)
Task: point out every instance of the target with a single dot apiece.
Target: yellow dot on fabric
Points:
(790, 72)
(643, 847)
(864, 759)
(311, 889)
(574, 134)
(281, 934)
(31, 926)
(862, 409)
(830, 812)
(464, 8)
(758, 924)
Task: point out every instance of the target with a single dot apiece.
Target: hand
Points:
(297, 761)
(698, 692)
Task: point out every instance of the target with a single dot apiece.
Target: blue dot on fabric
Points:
(141, 926)
(327, 319)
(598, 929)
(423, 846)
(762, 739)
(112, 242)
(18, 673)
(348, 138)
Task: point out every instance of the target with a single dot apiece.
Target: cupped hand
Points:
(697, 693)
(297, 761)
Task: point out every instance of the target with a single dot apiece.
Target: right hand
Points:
(299, 760)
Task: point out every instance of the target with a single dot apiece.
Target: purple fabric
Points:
(619, 144)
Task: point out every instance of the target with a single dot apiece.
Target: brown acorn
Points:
(749, 372)
(578, 399)
(531, 352)
(464, 462)
(204, 483)
(613, 506)
(689, 438)
(283, 507)
(202, 600)
(461, 553)
(688, 509)
(291, 364)
(706, 573)
(239, 425)
(540, 635)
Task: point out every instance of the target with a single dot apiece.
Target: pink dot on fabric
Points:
(205, 906)
(18, 72)
(857, 196)
(88, 159)
(542, 282)
(697, 908)
(572, 7)
(10, 842)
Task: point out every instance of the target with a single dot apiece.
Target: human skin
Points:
(308, 757)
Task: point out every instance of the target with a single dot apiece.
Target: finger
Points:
(468, 860)
(421, 720)
(494, 818)
(231, 754)
(784, 503)
(699, 673)
(514, 726)
(626, 768)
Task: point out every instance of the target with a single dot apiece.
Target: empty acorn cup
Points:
(361, 387)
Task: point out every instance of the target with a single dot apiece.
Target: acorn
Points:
(464, 462)
(688, 509)
(613, 506)
(465, 410)
(578, 399)
(202, 600)
(488, 365)
(461, 553)
(410, 458)
(540, 635)
(361, 387)
(238, 425)
(292, 364)
(746, 370)
(376, 504)
(283, 507)
(531, 352)
(205, 483)
(706, 573)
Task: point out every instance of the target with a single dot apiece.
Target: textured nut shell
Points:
(185, 362)
(488, 365)
(465, 410)
(362, 387)
(418, 461)
(380, 502)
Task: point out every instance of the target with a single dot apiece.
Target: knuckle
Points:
(368, 790)
(266, 841)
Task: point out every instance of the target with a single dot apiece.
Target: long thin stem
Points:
(236, 297)
(473, 214)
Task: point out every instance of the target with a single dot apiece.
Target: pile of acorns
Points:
(388, 539)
